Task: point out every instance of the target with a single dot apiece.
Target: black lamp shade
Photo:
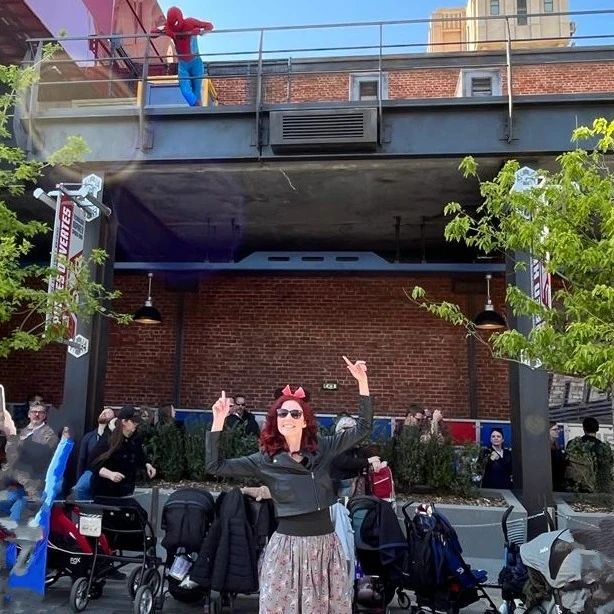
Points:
(489, 319)
(147, 315)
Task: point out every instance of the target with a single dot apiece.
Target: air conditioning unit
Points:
(323, 130)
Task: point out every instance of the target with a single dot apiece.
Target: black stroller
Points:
(381, 553)
(437, 572)
(119, 533)
(187, 517)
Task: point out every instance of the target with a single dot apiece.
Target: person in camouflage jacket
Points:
(590, 461)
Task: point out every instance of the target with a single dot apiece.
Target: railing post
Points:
(510, 99)
(145, 140)
(259, 96)
(380, 118)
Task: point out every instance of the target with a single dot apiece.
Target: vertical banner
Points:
(541, 290)
(66, 250)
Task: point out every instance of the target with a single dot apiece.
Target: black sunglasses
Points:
(294, 413)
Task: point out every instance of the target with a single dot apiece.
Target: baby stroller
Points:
(381, 553)
(438, 574)
(187, 517)
(565, 577)
(514, 575)
(69, 553)
(128, 539)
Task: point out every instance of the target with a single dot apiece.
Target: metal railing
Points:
(254, 78)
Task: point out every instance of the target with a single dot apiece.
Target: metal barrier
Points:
(255, 79)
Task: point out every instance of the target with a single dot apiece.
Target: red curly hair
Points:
(272, 441)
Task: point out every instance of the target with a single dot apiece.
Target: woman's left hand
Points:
(358, 369)
(151, 471)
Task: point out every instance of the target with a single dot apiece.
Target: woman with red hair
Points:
(304, 570)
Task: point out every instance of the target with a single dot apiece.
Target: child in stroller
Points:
(436, 570)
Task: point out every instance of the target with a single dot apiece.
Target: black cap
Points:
(128, 412)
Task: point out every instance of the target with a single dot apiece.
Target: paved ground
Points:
(116, 601)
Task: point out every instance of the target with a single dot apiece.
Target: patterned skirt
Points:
(304, 575)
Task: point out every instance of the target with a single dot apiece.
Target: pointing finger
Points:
(348, 362)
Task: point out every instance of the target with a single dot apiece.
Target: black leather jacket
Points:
(295, 488)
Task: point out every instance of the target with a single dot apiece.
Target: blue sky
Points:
(232, 14)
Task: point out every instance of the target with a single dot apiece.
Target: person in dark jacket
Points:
(558, 460)
(351, 464)
(115, 461)
(294, 463)
(240, 416)
(498, 462)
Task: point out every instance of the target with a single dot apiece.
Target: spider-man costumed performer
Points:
(183, 31)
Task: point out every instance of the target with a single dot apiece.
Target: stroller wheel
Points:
(143, 601)
(137, 578)
(79, 595)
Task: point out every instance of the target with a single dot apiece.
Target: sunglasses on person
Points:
(294, 413)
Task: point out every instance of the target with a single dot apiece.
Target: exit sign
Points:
(330, 386)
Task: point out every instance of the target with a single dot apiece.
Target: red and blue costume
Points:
(191, 70)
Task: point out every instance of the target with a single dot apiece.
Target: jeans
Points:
(346, 487)
(191, 75)
(82, 490)
(13, 503)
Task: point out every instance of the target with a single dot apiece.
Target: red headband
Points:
(299, 393)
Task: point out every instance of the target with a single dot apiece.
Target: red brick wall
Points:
(528, 79)
(251, 334)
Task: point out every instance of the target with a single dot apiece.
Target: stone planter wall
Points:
(568, 518)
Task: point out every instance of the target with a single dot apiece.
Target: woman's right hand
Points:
(114, 476)
(220, 409)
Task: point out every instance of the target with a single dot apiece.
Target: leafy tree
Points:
(24, 300)
(575, 203)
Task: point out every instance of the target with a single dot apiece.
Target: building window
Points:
(366, 86)
(548, 6)
(521, 10)
(479, 83)
(495, 7)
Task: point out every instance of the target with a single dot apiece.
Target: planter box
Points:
(568, 518)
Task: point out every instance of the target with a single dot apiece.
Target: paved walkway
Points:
(115, 600)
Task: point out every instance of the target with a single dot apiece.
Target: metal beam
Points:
(314, 261)
(543, 124)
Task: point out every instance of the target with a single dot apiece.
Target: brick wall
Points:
(251, 334)
(528, 79)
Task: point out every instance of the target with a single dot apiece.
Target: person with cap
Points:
(115, 460)
(348, 466)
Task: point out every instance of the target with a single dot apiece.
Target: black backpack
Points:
(423, 570)
(186, 518)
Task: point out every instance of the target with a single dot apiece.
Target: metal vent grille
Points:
(338, 129)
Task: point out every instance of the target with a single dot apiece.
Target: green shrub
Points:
(168, 452)
(194, 445)
(420, 463)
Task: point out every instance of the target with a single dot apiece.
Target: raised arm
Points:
(246, 466)
(364, 424)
